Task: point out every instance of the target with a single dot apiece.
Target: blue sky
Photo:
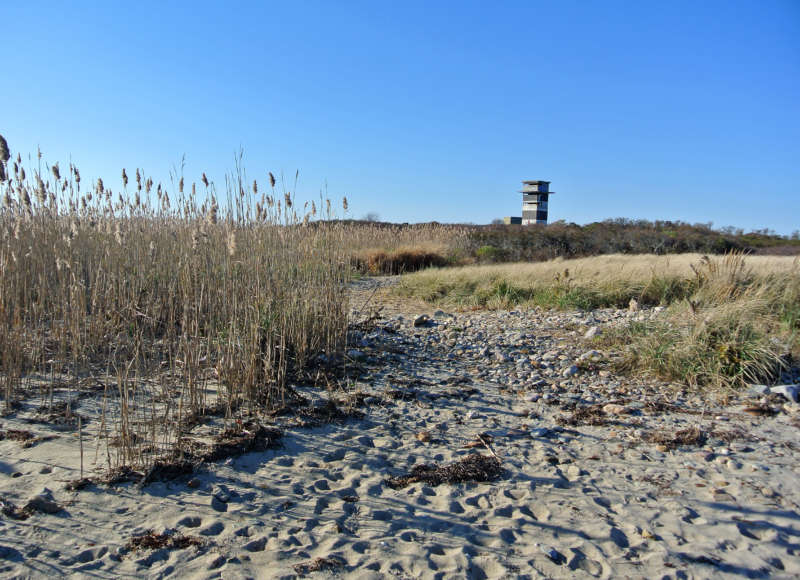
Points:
(424, 111)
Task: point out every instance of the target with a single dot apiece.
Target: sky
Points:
(422, 111)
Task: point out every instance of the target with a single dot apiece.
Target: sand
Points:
(571, 500)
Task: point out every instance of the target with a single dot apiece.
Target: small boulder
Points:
(591, 355)
(757, 390)
(789, 392)
(421, 320)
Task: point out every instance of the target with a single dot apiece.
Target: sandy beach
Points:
(599, 475)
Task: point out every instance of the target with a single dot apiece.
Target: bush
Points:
(489, 254)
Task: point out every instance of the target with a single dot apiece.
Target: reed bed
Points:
(162, 303)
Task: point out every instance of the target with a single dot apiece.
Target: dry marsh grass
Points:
(728, 321)
(168, 302)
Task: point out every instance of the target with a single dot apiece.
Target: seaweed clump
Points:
(474, 467)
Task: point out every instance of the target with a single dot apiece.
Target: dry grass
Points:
(173, 301)
(599, 281)
(729, 320)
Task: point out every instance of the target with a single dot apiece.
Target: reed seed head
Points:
(271, 179)
(5, 153)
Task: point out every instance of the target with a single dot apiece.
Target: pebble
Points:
(570, 371)
(614, 409)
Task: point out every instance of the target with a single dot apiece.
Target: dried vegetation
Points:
(472, 468)
(175, 300)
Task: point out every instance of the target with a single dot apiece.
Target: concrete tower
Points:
(535, 195)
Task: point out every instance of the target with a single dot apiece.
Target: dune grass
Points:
(728, 320)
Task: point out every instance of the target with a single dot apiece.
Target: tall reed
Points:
(174, 301)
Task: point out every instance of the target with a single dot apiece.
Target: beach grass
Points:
(727, 320)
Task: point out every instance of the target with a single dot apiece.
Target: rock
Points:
(614, 409)
(757, 390)
(789, 392)
(570, 371)
(355, 354)
(591, 355)
(421, 320)
(501, 357)
(424, 436)
(592, 332)
(43, 502)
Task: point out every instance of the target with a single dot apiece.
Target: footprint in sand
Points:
(321, 505)
(577, 560)
(190, 522)
(214, 529)
(505, 511)
(540, 512)
(456, 508)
